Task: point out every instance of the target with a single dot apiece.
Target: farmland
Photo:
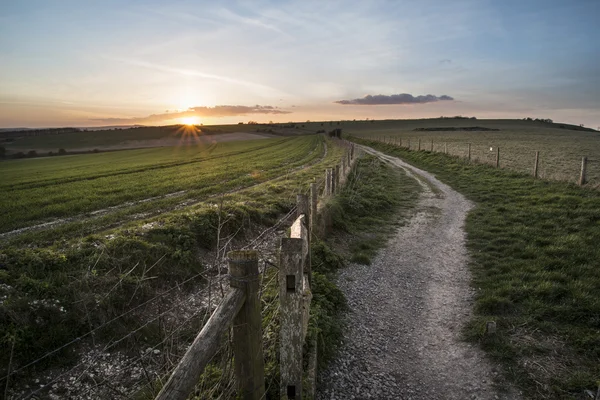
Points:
(561, 149)
(111, 217)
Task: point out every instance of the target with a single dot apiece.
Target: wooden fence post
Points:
(352, 151)
(314, 199)
(445, 147)
(535, 166)
(337, 179)
(432, 145)
(328, 182)
(419, 148)
(333, 180)
(247, 326)
(582, 175)
(290, 297)
(469, 152)
(497, 157)
(400, 142)
(304, 207)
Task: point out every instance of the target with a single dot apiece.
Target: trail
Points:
(407, 310)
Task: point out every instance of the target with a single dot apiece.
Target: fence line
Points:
(294, 302)
(582, 175)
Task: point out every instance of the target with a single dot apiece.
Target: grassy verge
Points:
(373, 202)
(536, 269)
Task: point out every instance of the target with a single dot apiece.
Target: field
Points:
(90, 228)
(536, 271)
(560, 149)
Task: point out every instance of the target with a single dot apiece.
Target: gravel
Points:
(403, 339)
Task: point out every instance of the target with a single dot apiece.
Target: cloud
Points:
(403, 98)
(210, 112)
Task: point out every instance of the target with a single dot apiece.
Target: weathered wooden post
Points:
(336, 186)
(419, 148)
(352, 151)
(342, 167)
(247, 326)
(432, 145)
(497, 157)
(304, 208)
(445, 147)
(294, 305)
(400, 142)
(582, 175)
(469, 152)
(333, 180)
(328, 182)
(409, 144)
(535, 166)
(314, 199)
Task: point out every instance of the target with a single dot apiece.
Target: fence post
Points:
(337, 179)
(419, 148)
(352, 151)
(328, 182)
(304, 207)
(247, 326)
(333, 178)
(497, 157)
(469, 152)
(290, 297)
(445, 148)
(400, 142)
(582, 177)
(535, 166)
(314, 198)
(409, 144)
(432, 145)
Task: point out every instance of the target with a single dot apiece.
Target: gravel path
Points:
(408, 309)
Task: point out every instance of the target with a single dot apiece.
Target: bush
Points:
(62, 152)
(31, 153)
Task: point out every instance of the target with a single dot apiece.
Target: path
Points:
(407, 310)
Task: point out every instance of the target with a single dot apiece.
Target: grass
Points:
(374, 201)
(44, 189)
(536, 270)
(560, 149)
(55, 290)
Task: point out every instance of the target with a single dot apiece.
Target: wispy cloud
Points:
(210, 112)
(403, 98)
(258, 22)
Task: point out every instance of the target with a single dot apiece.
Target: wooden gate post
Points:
(290, 297)
(535, 166)
(582, 175)
(247, 326)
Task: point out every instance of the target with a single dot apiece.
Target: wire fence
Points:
(113, 369)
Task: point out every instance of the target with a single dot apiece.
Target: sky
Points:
(97, 63)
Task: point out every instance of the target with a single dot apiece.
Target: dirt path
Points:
(408, 309)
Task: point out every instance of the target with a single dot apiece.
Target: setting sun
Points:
(190, 121)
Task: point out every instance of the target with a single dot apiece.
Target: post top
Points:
(242, 255)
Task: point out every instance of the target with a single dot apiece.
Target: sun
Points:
(190, 121)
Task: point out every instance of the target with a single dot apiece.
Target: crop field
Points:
(45, 189)
(561, 149)
(103, 221)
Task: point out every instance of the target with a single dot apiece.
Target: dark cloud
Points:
(403, 98)
(213, 112)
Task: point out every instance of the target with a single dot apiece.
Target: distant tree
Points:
(2, 151)
(20, 155)
(62, 152)
(96, 151)
(31, 153)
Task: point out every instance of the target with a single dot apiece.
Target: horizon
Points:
(147, 63)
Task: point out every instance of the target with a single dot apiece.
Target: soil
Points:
(403, 337)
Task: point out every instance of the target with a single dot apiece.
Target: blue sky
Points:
(86, 63)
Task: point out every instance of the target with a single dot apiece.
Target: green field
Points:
(536, 272)
(43, 189)
(171, 210)
(560, 149)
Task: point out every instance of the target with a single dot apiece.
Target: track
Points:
(408, 308)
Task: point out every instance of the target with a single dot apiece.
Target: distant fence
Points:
(240, 308)
(493, 157)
